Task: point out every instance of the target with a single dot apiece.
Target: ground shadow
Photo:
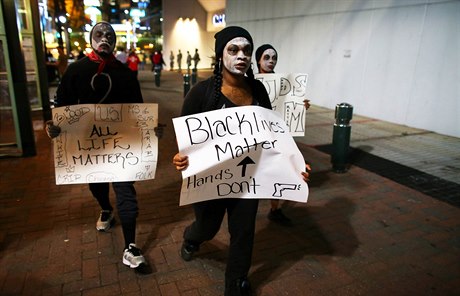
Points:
(318, 178)
(324, 230)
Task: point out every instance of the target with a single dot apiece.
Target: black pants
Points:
(126, 205)
(241, 226)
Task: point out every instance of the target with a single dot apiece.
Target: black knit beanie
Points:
(224, 36)
(261, 50)
(103, 23)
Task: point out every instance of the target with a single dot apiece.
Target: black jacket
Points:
(81, 84)
(201, 97)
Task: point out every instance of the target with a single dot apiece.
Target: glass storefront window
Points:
(7, 129)
(22, 13)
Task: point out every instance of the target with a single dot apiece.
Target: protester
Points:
(100, 78)
(196, 58)
(228, 87)
(179, 60)
(143, 58)
(171, 61)
(133, 62)
(266, 59)
(122, 56)
(157, 61)
(189, 61)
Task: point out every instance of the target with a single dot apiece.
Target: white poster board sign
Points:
(287, 93)
(240, 152)
(105, 143)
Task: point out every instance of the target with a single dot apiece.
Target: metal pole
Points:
(186, 84)
(194, 76)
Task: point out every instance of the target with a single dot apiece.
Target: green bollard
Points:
(186, 84)
(194, 75)
(341, 137)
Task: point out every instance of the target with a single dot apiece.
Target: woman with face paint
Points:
(232, 85)
(266, 59)
(100, 78)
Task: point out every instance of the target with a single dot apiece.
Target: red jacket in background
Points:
(133, 61)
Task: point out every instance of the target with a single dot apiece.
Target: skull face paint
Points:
(268, 61)
(237, 55)
(103, 38)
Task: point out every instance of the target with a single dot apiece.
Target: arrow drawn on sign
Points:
(247, 160)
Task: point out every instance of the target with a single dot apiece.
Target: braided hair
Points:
(217, 81)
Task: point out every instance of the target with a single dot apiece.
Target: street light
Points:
(62, 19)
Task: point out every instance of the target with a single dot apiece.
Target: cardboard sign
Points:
(105, 143)
(287, 93)
(240, 152)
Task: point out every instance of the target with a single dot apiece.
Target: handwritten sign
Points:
(105, 143)
(240, 152)
(287, 93)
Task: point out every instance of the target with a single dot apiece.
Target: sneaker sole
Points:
(186, 256)
(112, 222)
(127, 263)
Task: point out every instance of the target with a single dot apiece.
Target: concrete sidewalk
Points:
(359, 234)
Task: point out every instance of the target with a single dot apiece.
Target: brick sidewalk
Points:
(359, 233)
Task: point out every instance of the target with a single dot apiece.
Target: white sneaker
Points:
(105, 221)
(132, 257)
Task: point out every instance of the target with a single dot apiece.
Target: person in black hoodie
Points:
(266, 60)
(233, 84)
(100, 78)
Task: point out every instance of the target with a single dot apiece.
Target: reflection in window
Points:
(22, 11)
(5, 100)
(7, 131)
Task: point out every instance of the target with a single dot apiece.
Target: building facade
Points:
(396, 61)
(189, 25)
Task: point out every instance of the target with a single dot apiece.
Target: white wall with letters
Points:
(392, 60)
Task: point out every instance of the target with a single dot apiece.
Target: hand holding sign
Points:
(180, 162)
